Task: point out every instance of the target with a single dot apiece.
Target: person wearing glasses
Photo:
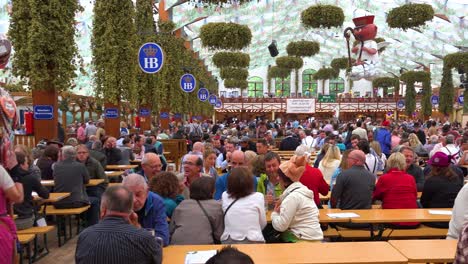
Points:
(150, 166)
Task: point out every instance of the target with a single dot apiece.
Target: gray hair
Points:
(134, 180)
(68, 152)
(449, 139)
(117, 198)
(97, 145)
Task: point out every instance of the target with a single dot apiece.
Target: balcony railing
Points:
(338, 100)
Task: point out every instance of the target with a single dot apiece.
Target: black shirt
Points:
(30, 184)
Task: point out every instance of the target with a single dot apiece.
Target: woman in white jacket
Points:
(296, 214)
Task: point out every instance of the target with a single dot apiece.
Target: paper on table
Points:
(199, 257)
(343, 215)
(440, 212)
(34, 194)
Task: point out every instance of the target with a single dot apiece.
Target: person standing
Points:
(384, 137)
(118, 238)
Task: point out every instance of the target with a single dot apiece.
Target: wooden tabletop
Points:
(343, 252)
(398, 215)
(136, 161)
(121, 167)
(426, 251)
(53, 197)
(323, 217)
(92, 182)
(116, 173)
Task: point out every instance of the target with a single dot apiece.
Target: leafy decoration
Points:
(409, 16)
(234, 73)
(231, 59)
(289, 62)
(325, 74)
(410, 77)
(339, 64)
(234, 83)
(230, 36)
(278, 72)
(458, 60)
(164, 26)
(42, 33)
(386, 82)
(303, 48)
(326, 16)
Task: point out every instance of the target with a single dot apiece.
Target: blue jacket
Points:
(384, 137)
(221, 185)
(155, 217)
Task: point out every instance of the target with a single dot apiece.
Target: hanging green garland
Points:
(411, 77)
(325, 74)
(409, 16)
(231, 59)
(230, 36)
(326, 16)
(303, 48)
(289, 62)
(234, 73)
(234, 83)
(277, 72)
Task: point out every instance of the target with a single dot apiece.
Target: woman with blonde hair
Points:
(417, 146)
(375, 145)
(343, 166)
(397, 189)
(250, 157)
(330, 162)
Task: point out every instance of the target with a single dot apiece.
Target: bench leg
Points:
(70, 226)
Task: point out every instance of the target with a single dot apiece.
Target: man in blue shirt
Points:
(237, 160)
(148, 206)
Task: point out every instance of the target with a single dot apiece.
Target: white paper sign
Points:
(440, 212)
(343, 215)
(300, 106)
(199, 257)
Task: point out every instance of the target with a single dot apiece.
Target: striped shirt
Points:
(114, 240)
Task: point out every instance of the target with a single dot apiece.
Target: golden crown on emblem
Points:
(150, 51)
(187, 79)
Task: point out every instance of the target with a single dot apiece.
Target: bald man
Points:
(151, 165)
(354, 186)
(237, 160)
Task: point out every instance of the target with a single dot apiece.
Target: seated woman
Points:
(330, 162)
(198, 220)
(244, 209)
(25, 210)
(417, 145)
(296, 214)
(397, 189)
(209, 162)
(166, 185)
(441, 187)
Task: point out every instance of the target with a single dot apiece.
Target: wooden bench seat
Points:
(37, 230)
(331, 232)
(61, 216)
(354, 234)
(420, 232)
(25, 240)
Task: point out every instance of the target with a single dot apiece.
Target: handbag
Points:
(210, 219)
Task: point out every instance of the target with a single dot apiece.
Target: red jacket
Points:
(397, 190)
(313, 179)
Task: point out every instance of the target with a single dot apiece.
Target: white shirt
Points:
(245, 219)
(5, 180)
(459, 214)
(308, 141)
(328, 171)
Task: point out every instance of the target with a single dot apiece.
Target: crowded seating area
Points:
(327, 185)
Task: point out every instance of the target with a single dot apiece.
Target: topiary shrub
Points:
(230, 36)
(231, 59)
(234, 73)
(303, 48)
(289, 62)
(409, 16)
(326, 16)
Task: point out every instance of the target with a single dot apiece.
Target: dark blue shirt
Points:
(154, 216)
(221, 185)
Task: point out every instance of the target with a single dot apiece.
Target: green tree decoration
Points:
(325, 74)
(231, 59)
(409, 16)
(458, 60)
(325, 16)
(228, 36)
(339, 64)
(113, 43)
(43, 36)
(289, 62)
(234, 73)
(303, 48)
(410, 77)
(386, 82)
(234, 83)
(146, 28)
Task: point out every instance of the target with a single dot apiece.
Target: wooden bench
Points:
(355, 234)
(38, 230)
(420, 232)
(25, 240)
(331, 233)
(61, 216)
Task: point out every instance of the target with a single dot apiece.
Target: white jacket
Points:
(459, 214)
(298, 213)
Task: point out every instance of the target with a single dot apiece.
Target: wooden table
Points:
(53, 197)
(323, 217)
(426, 251)
(113, 173)
(323, 253)
(121, 167)
(135, 161)
(92, 182)
(375, 216)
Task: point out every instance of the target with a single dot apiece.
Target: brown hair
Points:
(51, 152)
(26, 151)
(202, 188)
(208, 152)
(240, 183)
(344, 160)
(165, 184)
(444, 172)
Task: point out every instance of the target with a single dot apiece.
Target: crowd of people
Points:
(232, 176)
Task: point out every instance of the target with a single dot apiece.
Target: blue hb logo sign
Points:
(213, 99)
(188, 83)
(219, 104)
(461, 99)
(435, 100)
(401, 104)
(203, 94)
(151, 57)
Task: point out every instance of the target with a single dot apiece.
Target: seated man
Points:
(72, 176)
(113, 154)
(150, 166)
(237, 160)
(268, 183)
(354, 187)
(118, 238)
(148, 206)
(411, 168)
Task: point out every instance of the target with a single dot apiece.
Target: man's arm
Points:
(220, 188)
(161, 227)
(337, 191)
